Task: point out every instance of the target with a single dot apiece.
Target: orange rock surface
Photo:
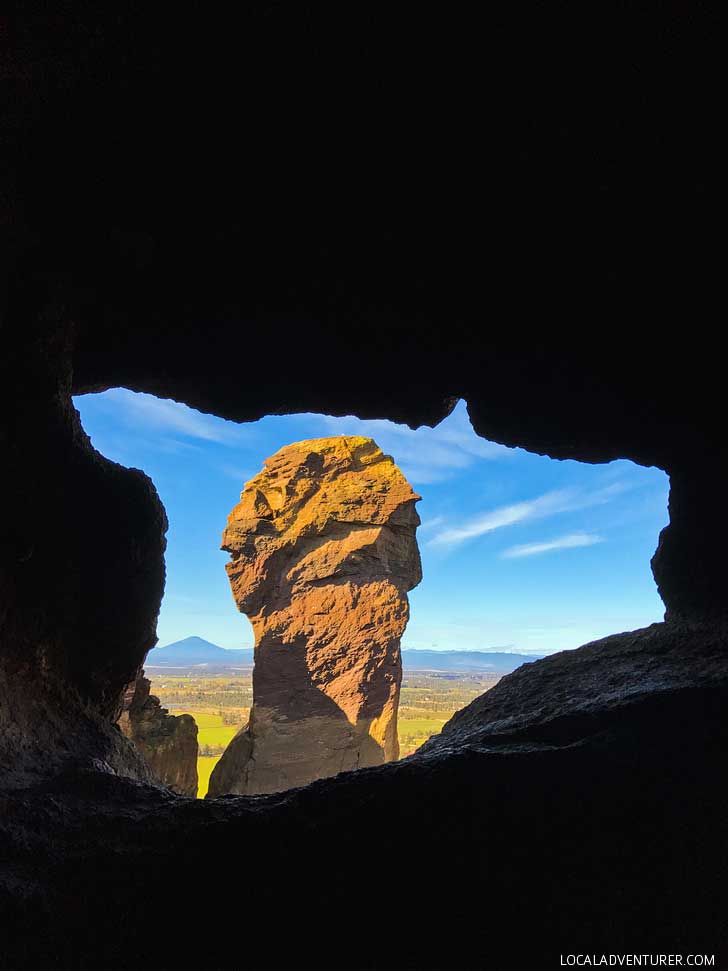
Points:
(323, 552)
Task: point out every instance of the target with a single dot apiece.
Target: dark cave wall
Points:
(687, 564)
(340, 210)
(81, 568)
(83, 548)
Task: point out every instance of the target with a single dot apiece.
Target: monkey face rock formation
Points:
(167, 742)
(323, 553)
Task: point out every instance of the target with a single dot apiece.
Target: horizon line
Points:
(432, 650)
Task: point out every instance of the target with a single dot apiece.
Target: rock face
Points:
(323, 553)
(167, 742)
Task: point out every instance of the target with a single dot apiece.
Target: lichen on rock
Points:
(323, 553)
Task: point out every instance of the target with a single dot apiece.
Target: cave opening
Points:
(522, 556)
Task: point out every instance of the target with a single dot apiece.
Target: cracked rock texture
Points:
(323, 553)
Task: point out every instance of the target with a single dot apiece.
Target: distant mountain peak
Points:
(195, 650)
(193, 638)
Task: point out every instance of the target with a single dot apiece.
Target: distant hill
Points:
(194, 652)
(197, 652)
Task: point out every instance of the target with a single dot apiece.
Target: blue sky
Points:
(519, 552)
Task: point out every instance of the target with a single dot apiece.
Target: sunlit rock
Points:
(323, 552)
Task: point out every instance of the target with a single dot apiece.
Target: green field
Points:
(212, 731)
(220, 704)
(204, 771)
(414, 732)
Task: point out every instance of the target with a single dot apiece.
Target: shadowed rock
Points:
(323, 553)
(167, 742)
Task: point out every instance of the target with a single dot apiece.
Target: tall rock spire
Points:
(323, 552)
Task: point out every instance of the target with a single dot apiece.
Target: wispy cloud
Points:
(424, 454)
(549, 504)
(570, 542)
(171, 417)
